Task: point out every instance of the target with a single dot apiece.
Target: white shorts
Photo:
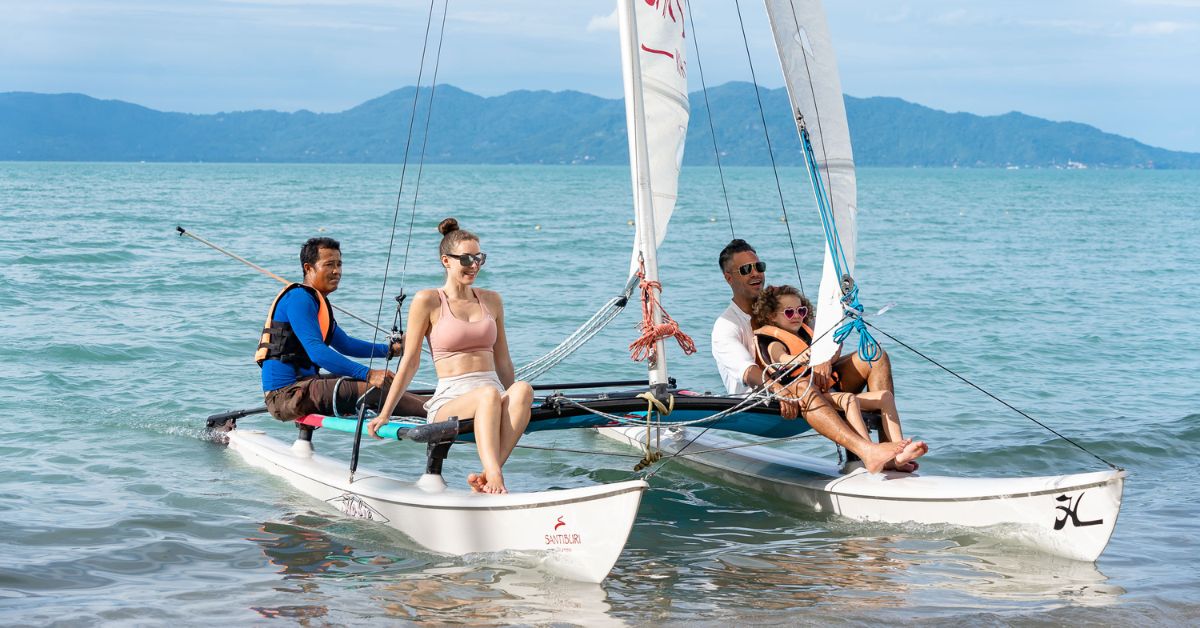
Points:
(451, 388)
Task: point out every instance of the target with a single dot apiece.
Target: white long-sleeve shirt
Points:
(733, 348)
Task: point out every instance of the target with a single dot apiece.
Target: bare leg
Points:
(856, 374)
(483, 404)
(880, 377)
(823, 418)
(515, 407)
(885, 403)
(848, 404)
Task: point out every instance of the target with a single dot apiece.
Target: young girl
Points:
(782, 319)
(465, 328)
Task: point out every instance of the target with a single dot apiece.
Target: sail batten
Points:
(805, 49)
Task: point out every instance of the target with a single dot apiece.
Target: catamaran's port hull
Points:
(576, 534)
(1072, 516)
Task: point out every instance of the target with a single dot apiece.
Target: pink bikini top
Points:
(451, 336)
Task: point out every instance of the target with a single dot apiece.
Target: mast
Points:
(645, 244)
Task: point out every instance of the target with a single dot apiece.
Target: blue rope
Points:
(868, 347)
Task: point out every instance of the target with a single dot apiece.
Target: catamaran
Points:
(579, 533)
(1068, 515)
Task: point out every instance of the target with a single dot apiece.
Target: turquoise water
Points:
(1071, 294)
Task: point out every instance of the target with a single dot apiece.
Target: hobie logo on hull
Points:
(1070, 512)
(354, 506)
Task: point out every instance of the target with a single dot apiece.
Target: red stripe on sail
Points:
(657, 52)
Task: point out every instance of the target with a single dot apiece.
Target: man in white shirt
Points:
(733, 349)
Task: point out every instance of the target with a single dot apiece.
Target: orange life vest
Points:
(279, 342)
(765, 335)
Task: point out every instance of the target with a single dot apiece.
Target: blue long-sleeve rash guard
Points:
(299, 308)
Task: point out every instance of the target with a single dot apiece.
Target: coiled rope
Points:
(644, 347)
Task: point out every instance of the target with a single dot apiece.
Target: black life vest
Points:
(279, 342)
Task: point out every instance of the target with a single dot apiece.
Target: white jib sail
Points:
(654, 38)
(810, 71)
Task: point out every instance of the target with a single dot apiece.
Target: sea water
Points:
(1070, 294)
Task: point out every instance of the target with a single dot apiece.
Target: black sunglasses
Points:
(761, 267)
(466, 259)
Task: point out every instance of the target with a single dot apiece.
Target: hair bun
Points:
(448, 226)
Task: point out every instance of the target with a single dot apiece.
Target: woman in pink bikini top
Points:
(465, 329)
(452, 336)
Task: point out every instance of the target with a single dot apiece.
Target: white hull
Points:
(577, 533)
(1067, 515)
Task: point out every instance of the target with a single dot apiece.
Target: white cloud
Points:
(962, 17)
(339, 25)
(600, 23)
(1077, 27)
(1161, 28)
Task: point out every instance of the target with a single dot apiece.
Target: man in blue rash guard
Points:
(301, 337)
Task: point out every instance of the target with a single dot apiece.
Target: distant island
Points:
(542, 127)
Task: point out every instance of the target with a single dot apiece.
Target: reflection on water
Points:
(990, 564)
(777, 576)
(420, 589)
(495, 596)
(301, 551)
(1002, 571)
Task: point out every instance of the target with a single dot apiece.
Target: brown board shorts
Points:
(320, 394)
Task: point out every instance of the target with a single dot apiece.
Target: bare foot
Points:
(493, 482)
(911, 451)
(477, 482)
(876, 457)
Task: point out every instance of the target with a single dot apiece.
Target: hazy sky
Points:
(1126, 66)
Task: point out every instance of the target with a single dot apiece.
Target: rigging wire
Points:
(770, 150)
(403, 172)
(226, 252)
(1001, 401)
(437, 62)
(711, 128)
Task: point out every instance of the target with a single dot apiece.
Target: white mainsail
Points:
(661, 69)
(810, 71)
(656, 116)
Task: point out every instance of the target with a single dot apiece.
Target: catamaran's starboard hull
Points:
(1068, 515)
(577, 534)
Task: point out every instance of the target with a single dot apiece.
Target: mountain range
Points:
(535, 127)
